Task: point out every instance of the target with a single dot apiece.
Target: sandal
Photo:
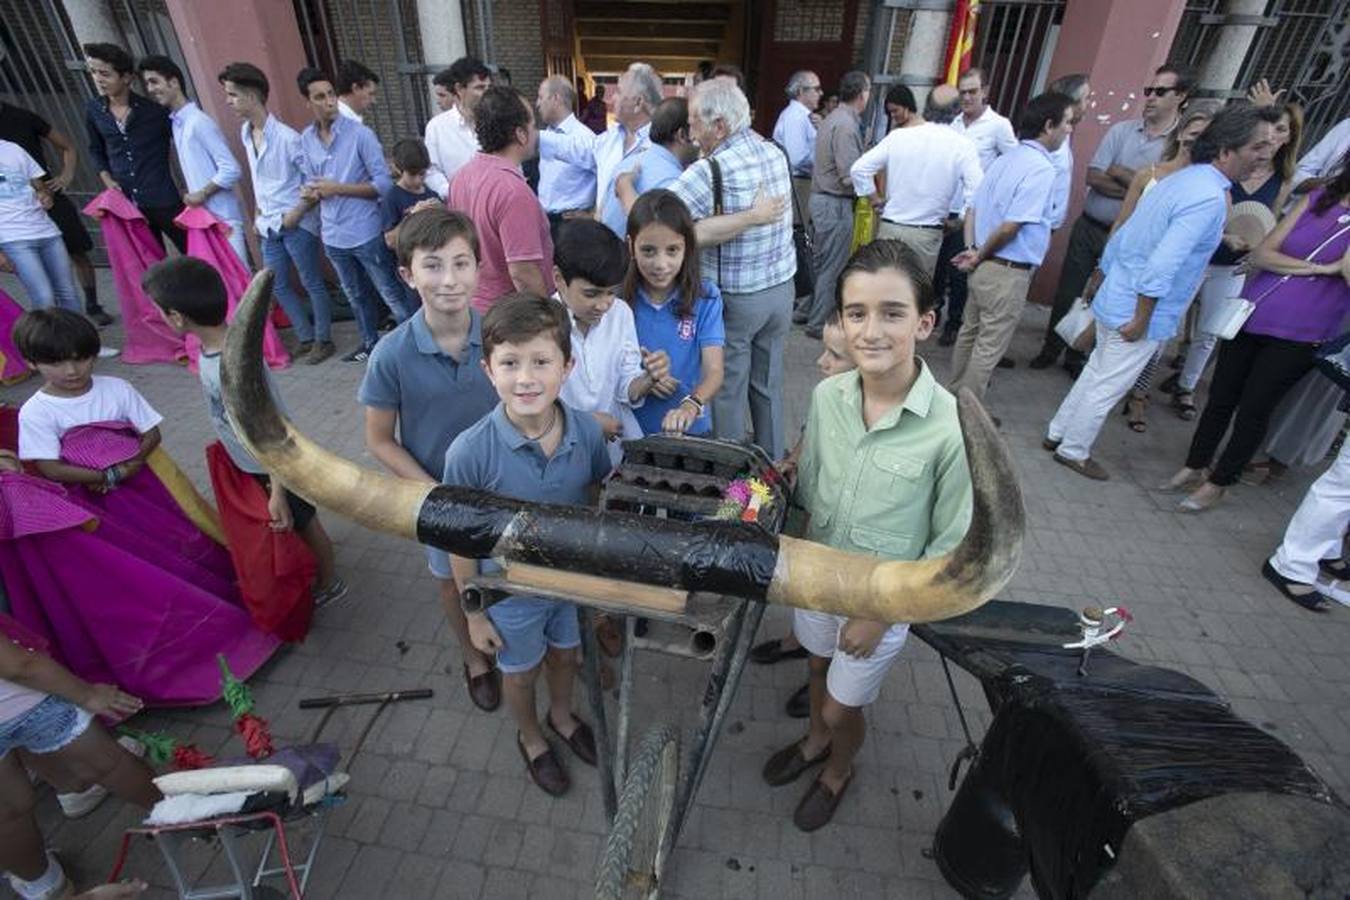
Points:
(1135, 404)
(1337, 569)
(1312, 601)
(1184, 403)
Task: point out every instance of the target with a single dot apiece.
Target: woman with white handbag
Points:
(1297, 294)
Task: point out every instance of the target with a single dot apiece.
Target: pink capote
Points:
(12, 366)
(132, 249)
(208, 239)
(144, 600)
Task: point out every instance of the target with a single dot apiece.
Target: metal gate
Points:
(1302, 46)
(384, 35)
(1014, 41)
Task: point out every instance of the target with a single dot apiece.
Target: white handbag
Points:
(1225, 318)
(1078, 326)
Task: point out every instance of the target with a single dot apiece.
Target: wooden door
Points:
(799, 34)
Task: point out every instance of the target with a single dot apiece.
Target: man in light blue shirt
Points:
(656, 167)
(565, 190)
(795, 132)
(1007, 230)
(637, 95)
(1153, 265)
(346, 176)
(288, 228)
(209, 167)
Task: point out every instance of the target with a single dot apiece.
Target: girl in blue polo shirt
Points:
(675, 311)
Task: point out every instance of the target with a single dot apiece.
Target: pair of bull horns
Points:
(719, 557)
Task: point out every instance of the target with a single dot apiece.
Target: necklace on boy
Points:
(541, 435)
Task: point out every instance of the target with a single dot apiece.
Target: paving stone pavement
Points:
(439, 806)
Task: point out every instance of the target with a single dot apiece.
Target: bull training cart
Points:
(1106, 780)
(648, 794)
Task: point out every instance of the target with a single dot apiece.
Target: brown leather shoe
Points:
(788, 764)
(816, 809)
(581, 741)
(545, 770)
(484, 690)
(1088, 468)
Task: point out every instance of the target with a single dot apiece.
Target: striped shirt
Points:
(762, 256)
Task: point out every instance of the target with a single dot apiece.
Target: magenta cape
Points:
(208, 240)
(144, 600)
(131, 250)
(12, 366)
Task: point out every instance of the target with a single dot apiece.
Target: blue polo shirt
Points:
(1019, 186)
(435, 396)
(493, 455)
(659, 328)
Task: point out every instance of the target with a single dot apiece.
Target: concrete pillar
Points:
(442, 28)
(1118, 43)
(925, 51)
(263, 32)
(1220, 68)
(94, 22)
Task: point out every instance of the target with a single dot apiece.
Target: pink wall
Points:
(214, 33)
(1118, 43)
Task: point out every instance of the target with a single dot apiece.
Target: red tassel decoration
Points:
(256, 735)
(188, 756)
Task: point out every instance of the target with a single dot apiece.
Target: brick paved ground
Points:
(439, 806)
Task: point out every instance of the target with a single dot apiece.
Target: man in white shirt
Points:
(356, 87)
(1324, 159)
(636, 97)
(992, 135)
(566, 191)
(795, 131)
(449, 136)
(208, 165)
(926, 164)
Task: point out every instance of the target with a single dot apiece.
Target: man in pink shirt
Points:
(513, 237)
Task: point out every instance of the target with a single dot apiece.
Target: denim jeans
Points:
(363, 271)
(43, 265)
(281, 249)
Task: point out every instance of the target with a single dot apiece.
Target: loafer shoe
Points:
(1088, 468)
(799, 704)
(581, 741)
(788, 764)
(817, 807)
(769, 652)
(484, 690)
(545, 770)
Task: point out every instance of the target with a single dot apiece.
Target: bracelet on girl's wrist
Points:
(690, 398)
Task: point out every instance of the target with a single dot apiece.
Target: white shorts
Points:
(851, 681)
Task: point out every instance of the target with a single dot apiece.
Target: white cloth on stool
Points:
(1318, 526)
(180, 808)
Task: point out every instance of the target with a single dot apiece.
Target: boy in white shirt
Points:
(30, 243)
(612, 374)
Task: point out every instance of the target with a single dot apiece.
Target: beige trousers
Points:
(925, 242)
(994, 302)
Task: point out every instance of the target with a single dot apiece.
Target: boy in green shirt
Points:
(883, 471)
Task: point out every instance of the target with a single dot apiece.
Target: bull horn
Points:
(717, 556)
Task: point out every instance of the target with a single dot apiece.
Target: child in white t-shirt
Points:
(30, 243)
(63, 345)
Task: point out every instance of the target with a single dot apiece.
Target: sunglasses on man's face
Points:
(1158, 91)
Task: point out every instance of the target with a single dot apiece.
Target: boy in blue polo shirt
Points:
(535, 448)
(425, 384)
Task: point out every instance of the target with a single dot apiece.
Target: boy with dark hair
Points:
(356, 87)
(450, 136)
(409, 193)
(191, 297)
(611, 374)
(287, 226)
(346, 175)
(129, 140)
(882, 472)
(425, 384)
(537, 449)
(207, 163)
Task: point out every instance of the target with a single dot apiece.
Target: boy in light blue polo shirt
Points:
(535, 448)
(424, 384)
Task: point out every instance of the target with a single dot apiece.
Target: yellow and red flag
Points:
(961, 43)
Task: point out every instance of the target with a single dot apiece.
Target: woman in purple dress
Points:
(1300, 283)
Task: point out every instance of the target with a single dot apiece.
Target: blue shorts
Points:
(529, 626)
(45, 728)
